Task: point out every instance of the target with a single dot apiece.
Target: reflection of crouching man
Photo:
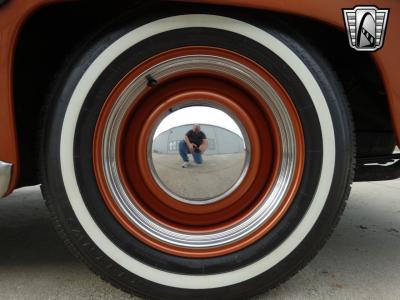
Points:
(196, 143)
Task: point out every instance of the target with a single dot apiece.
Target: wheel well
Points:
(362, 83)
(45, 42)
(42, 50)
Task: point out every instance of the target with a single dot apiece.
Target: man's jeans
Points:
(184, 150)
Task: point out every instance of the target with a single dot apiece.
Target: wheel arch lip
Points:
(14, 14)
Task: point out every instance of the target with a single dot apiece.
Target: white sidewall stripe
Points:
(67, 161)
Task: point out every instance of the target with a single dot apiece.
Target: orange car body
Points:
(14, 13)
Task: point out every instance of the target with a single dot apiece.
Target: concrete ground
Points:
(360, 261)
(216, 175)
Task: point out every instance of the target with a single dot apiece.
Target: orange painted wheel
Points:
(198, 76)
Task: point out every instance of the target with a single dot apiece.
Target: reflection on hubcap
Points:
(198, 163)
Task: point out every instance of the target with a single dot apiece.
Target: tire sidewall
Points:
(58, 182)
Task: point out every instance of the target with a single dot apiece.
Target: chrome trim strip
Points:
(5, 177)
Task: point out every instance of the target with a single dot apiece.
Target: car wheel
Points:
(109, 208)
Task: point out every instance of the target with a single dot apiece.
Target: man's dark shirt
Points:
(196, 138)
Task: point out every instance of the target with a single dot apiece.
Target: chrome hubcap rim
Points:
(268, 205)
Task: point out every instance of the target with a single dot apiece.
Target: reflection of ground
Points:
(216, 175)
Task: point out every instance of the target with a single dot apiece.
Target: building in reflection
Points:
(220, 140)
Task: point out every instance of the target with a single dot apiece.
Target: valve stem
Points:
(151, 82)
